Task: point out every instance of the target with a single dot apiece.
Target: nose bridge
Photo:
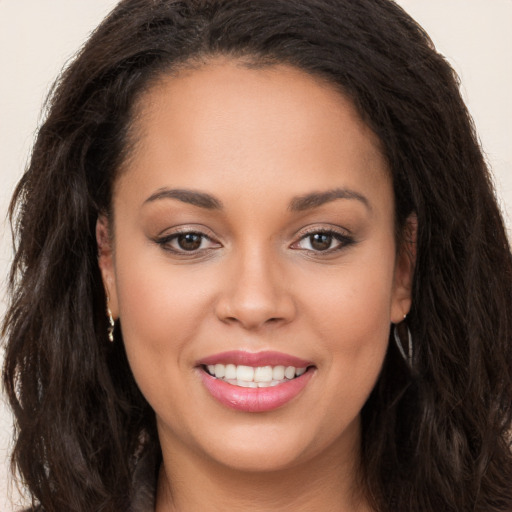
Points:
(255, 293)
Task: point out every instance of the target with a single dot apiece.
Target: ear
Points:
(404, 270)
(106, 262)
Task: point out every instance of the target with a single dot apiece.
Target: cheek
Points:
(161, 308)
(349, 312)
(353, 300)
(355, 338)
(160, 296)
(162, 311)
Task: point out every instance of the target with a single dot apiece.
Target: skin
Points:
(255, 139)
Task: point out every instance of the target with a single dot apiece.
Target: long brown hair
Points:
(436, 436)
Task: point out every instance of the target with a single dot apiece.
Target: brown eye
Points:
(320, 241)
(189, 241)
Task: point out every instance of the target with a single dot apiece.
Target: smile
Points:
(255, 382)
(254, 377)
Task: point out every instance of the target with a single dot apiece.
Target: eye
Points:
(187, 242)
(323, 241)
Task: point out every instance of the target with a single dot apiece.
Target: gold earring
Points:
(110, 328)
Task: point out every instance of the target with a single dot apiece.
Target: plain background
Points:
(37, 37)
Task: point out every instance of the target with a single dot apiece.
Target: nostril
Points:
(253, 310)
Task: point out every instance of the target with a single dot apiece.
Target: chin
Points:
(274, 447)
(259, 457)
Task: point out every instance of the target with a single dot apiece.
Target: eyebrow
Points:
(316, 199)
(200, 199)
(297, 204)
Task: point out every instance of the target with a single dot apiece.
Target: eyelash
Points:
(343, 240)
(165, 242)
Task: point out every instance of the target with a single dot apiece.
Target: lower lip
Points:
(255, 399)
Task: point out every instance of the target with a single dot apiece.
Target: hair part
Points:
(435, 437)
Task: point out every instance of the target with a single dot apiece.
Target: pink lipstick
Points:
(255, 382)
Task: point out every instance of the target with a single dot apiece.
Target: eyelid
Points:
(164, 240)
(186, 228)
(344, 237)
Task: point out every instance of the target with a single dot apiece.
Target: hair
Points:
(436, 435)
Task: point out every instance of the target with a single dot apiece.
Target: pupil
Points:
(189, 241)
(321, 241)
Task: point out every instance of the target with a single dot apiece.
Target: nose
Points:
(255, 293)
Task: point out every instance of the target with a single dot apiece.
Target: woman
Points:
(260, 266)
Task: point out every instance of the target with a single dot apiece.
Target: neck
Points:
(327, 482)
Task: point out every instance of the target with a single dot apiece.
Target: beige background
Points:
(38, 36)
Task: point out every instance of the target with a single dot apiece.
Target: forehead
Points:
(225, 122)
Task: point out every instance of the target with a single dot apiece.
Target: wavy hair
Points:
(435, 436)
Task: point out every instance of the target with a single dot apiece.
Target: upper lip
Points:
(265, 358)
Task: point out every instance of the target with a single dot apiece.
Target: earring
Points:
(111, 322)
(408, 357)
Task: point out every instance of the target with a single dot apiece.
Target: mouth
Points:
(254, 377)
(255, 382)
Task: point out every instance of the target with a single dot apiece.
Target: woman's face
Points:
(254, 228)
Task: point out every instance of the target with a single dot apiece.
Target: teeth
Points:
(229, 372)
(245, 373)
(289, 372)
(254, 377)
(219, 371)
(246, 384)
(262, 374)
(278, 373)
